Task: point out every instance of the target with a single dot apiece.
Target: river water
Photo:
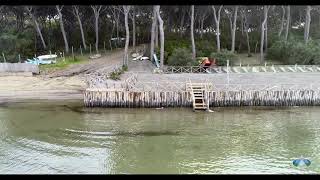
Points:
(64, 137)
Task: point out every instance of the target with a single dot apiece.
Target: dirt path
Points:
(107, 61)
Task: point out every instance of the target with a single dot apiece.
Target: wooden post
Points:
(110, 45)
(81, 50)
(90, 49)
(274, 70)
(19, 58)
(240, 62)
(64, 58)
(4, 58)
(228, 71)
(228, 66)
(104, 46)
(72, 53)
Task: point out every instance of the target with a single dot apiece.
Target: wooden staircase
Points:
(199, 95)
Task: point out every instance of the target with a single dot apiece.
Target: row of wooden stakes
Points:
(129, 99)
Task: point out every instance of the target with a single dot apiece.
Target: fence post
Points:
(19, 58)
(110, 45)
(81, 51)
(274, 70)
(64, 59)
(90, 49)
(4, 58)
(228, 71)
(240, 62)
(104, 46)
(72, 53)
(227, 65)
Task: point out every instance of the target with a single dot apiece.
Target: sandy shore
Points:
(14, 88)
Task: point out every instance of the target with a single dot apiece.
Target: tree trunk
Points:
(234, 27)
(37, 27)
(126, 12)
(248, 43)
(156, 36)
(96, 12)
(246, 28)
(192, 35)
(153, 26)
(39, 32)
(201, 27)
(266, 37)
(117, 25)
(161, 36)
(134, 30)
(230, 23)
(182, 23)
(62, 29)
(288, 23)
(217, 20)
(242, 26)
(265, 9)
(307, 25)
(282, 21)
(97, 32)
(76, 10)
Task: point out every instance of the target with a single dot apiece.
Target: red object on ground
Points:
(206, 62)
(213, 61)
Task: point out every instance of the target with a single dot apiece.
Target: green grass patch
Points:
(63, 63)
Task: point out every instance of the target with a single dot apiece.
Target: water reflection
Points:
(66, 138)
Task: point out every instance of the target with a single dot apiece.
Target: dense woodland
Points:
(178, 34)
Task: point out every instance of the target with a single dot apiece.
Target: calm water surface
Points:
(43, 137)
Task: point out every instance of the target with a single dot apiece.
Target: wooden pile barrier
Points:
(121, 98)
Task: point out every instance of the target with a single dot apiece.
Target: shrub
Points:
(124, 67)
(223, 56)
(205, 47)
(295, 51)
(181, 57)
(115, 75)
(171, 45)
(166, 54)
